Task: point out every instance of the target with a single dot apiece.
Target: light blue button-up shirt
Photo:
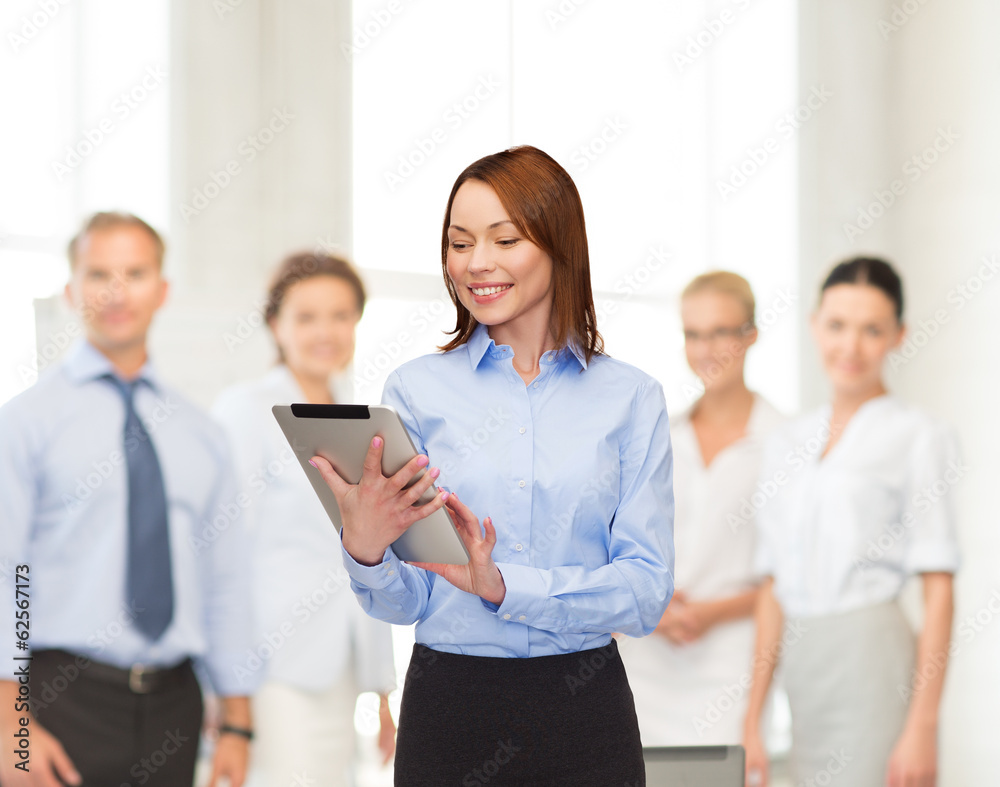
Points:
(575, 468)
(64, 497)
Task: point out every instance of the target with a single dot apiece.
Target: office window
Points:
(677, 122)
(90, 84)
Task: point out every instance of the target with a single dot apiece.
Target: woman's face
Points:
(500, 276)
(315, 326)
(855, 328)
(716, 337)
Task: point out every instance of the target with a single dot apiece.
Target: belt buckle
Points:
(137, 679)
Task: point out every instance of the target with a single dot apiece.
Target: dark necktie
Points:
(148, 582)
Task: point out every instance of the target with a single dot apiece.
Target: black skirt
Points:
(473, 721)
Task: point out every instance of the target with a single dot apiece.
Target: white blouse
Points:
(680, 690)
(309, 627)
(846, 530)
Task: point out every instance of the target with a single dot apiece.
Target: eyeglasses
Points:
(718, 334)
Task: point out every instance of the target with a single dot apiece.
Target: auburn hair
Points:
(542, 201)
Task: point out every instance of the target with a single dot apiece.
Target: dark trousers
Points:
(115, 736)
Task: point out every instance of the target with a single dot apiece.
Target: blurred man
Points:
(108, 480)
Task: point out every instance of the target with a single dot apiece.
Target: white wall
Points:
(903, 73)
(891, 90)
(649, 106)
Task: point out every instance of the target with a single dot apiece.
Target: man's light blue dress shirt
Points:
(64, 493)
(575, 468)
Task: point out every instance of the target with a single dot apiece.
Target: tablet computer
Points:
(694, 766)
(341, 434)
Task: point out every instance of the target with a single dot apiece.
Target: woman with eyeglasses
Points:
(690, 675)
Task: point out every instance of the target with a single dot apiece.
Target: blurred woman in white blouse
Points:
(316, 645)
(687, 675)
(866, 504)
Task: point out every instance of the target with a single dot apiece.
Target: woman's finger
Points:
(465, 515)
(416, 513)
(333, 480)
(461, 508)
(415, 492)
(490, 531)
(436, 568)
(372, 469)
(399, 479)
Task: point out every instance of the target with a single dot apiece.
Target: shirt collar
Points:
(84, 363)
(480, 344)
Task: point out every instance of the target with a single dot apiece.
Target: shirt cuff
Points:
(233, 674)
(927, 557)
(377, 577)
(526, 594)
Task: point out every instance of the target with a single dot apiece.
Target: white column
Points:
(946, 236)
(904, 163)
(261, 166)
(844, 151)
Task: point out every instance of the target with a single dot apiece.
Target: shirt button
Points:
(518, 547)
(521, 484)
(534, 385)
(522, 618)
(522, 430)
(392, 571)
(507, 616)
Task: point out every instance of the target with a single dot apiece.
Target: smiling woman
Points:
(496, 272)
(534, 243)
(848, 528)
(515, 675)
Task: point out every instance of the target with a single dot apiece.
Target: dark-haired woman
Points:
(316, 648)
(867, 504)
(515, 678)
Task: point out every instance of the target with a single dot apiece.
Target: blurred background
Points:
(768, 137)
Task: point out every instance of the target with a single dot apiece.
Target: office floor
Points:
(372, 774)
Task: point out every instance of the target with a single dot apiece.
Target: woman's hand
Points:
(480, 576)
(386, 730)
(694, 618)
(914, 759)
(378, 510)
(670, 624)
(686, 621)
(757, 764)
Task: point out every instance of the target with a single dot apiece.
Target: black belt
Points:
(139, 678)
